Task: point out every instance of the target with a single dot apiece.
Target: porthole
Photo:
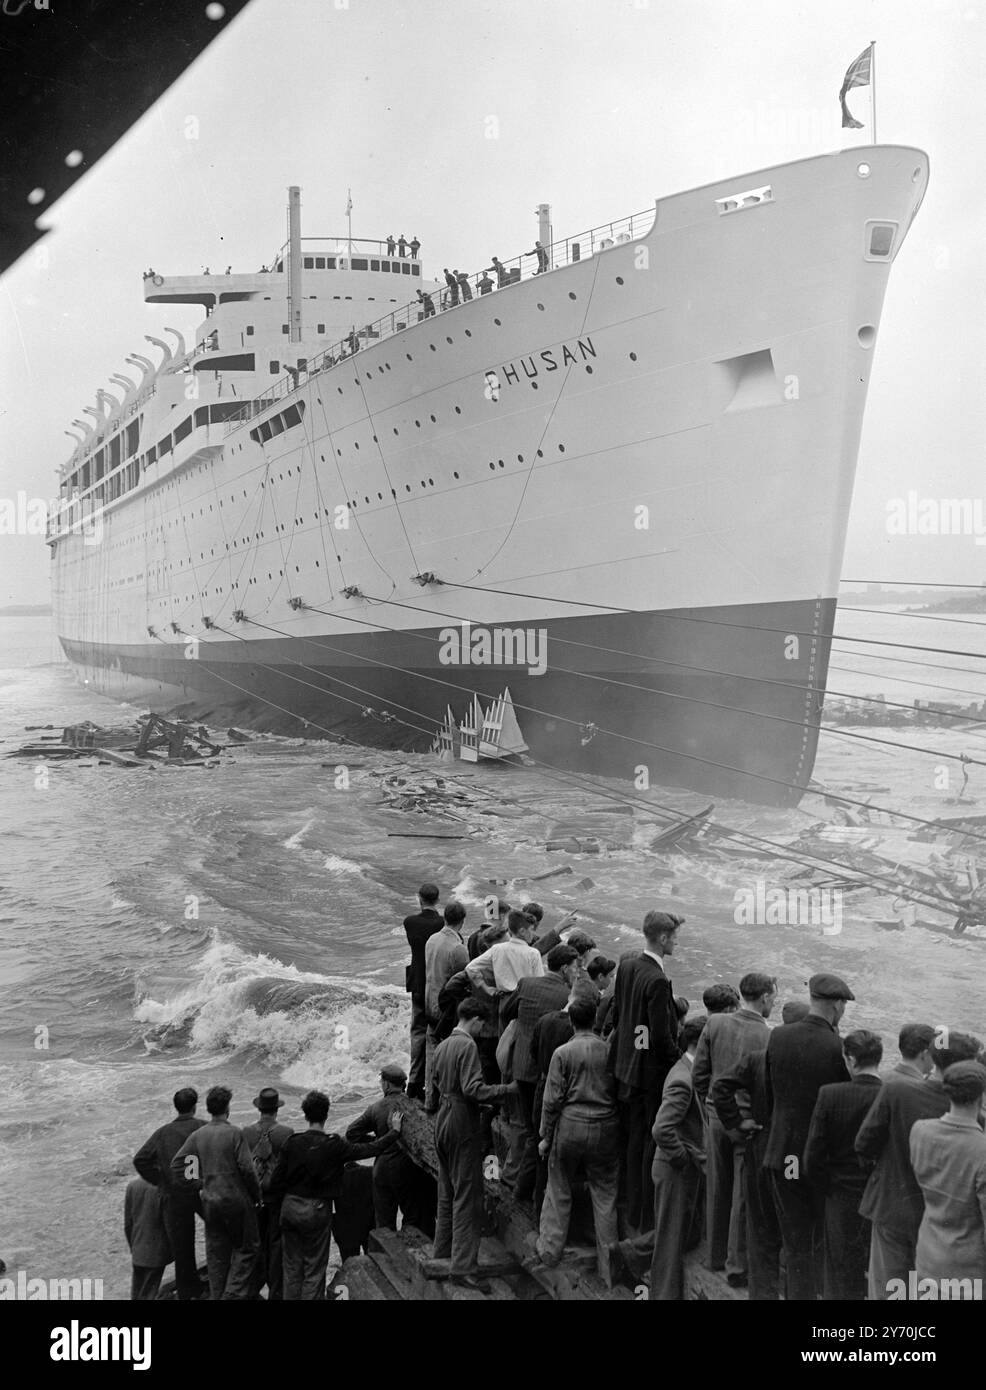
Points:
(448, 339)
(534, 385)
(497, 322)
(541, 307)
(433, 347)
(520, 458)
(492, 465)
(431, 482)
(417, 424)
(432, 419)
(458, 410)
(454, 474)
(540, 453)
(863, 170)
(339, 389)
(633, 357)
(407, 487)
(561, 448)
(409, 357)
(468, 332)
(572, 294)
(375, 440)
(619, 279)
(587, 367)
(396, 430)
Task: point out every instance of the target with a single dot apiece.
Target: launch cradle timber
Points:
(280, 523)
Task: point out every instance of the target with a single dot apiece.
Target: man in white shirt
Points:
(445, 955)
(506, 963)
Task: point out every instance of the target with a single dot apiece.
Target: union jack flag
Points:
(857, 76)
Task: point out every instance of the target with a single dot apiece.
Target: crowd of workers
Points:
(593, 1093)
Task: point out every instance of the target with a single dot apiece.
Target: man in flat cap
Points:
(265, 1138)
(802, 1058)
(397, 1183)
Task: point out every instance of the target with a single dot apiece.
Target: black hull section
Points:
(728, 709)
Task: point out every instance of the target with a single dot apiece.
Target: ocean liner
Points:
(613, 477)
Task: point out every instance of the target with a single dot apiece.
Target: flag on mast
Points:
(858, 75)
(349, 199)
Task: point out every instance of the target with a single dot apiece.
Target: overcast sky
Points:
(599, 107)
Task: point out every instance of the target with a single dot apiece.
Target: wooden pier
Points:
(399, 1265)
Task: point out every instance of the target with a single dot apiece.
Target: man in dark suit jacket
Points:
(153, 1162)
(834, 1169)
(893, 1201)
(643, 1049)
(678, 1171)
(535, 996)
(418, 927)
(742, 1103)
(801, 1059)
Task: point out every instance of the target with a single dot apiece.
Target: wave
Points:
(315, 1030)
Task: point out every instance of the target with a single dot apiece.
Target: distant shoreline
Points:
(918, 600)
(26, 610)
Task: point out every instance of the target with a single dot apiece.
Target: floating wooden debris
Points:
(469, 731)
(136, 745)
(444, 744)
(691, 829)
(501, 736)
(185, 742)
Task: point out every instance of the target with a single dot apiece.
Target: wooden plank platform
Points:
(400, 1265)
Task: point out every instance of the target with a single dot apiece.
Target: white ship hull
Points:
(655, 487)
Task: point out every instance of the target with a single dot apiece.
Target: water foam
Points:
(337, 865)
(317, 1030)
(295, 841)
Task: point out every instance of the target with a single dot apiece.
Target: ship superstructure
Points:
(617, 481)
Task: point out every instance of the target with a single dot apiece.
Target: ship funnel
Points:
(294, 264)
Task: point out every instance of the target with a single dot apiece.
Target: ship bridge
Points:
(319, 256)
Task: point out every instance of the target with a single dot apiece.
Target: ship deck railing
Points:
(566, 252)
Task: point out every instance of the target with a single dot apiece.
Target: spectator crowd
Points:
(776, 1149)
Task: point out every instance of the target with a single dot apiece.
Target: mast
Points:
(873, 85)
(294, 264)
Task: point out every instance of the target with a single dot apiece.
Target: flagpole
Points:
(349, 219)
(873, 85)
